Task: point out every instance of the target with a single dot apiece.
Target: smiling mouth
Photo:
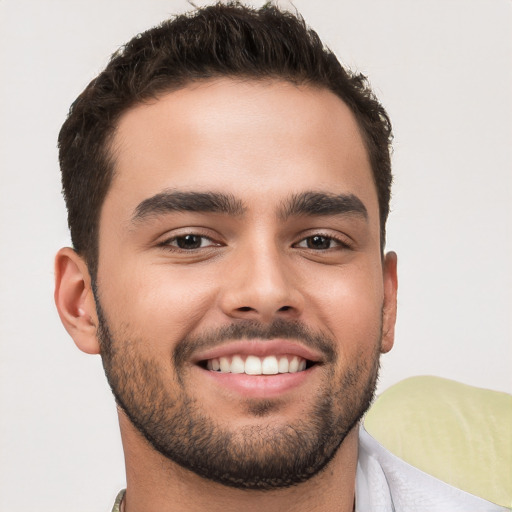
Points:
(254, 365)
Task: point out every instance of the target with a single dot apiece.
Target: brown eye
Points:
(319, 242)
(189, 241)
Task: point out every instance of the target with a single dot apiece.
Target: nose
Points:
(262, 286)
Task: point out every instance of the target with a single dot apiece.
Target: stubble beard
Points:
(261, 456)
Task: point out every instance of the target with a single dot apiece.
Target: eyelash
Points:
(172, 243)
(340, 242)
(168, 244)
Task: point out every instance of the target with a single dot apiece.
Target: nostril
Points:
(249, 309)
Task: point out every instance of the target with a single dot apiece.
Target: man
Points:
(227, 185)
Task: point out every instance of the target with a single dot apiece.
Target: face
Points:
(241, 291)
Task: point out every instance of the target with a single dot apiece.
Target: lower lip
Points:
(259, 386)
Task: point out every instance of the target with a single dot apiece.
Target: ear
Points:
(389, 307)
(75, 301)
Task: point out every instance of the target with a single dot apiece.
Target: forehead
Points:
(250, 138)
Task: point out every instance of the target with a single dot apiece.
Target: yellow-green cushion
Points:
(457, 433)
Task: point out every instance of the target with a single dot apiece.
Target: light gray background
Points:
(441, 67)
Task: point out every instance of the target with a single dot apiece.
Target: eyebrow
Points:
(305, 203)
(174, 201)
(321, 203)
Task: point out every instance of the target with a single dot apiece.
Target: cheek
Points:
(156, 302)
(349, 302)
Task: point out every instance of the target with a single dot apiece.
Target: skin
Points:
(261, 143)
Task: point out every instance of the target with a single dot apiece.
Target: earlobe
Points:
(390, 301)
(75, 300)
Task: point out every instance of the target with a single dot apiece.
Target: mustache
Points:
(250, 329)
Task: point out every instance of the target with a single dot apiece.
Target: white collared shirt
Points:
(385, 483)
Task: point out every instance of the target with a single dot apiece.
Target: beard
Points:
(261, 456)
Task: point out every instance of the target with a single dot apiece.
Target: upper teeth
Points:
(254, 365)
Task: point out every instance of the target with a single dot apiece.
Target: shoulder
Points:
(429, 436)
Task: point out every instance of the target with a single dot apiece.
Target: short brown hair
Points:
(221, 40)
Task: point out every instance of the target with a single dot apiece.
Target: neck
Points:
(155, 484)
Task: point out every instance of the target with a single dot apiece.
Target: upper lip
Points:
(259, 348)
